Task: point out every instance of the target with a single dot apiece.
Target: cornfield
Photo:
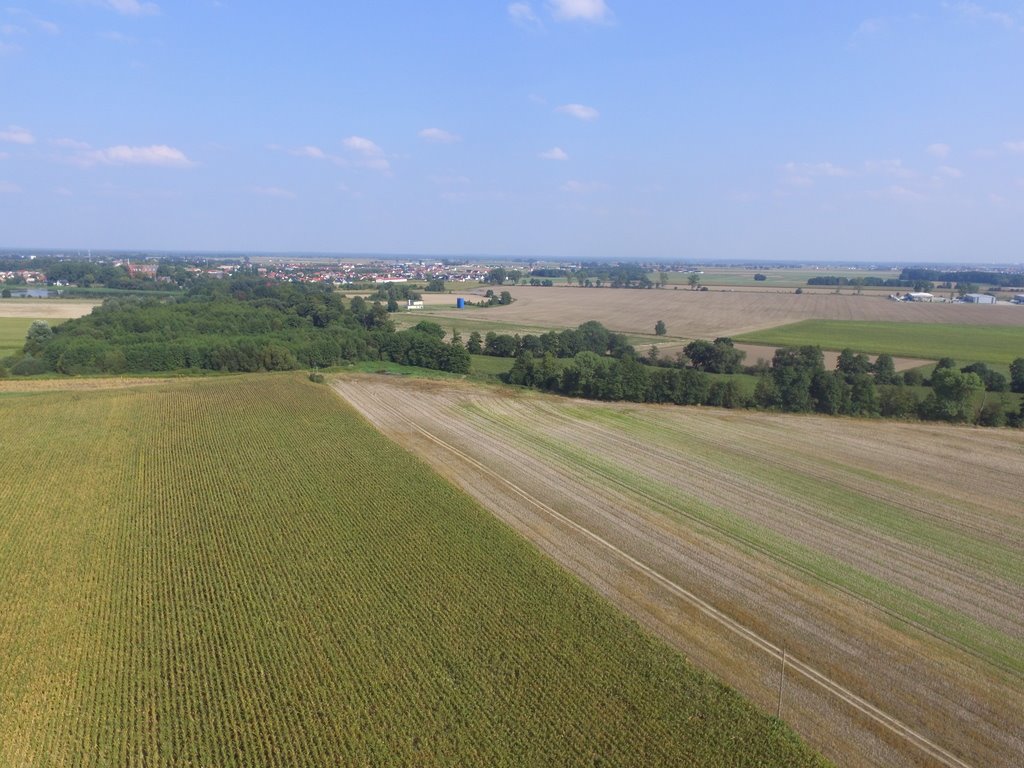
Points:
(242, 572)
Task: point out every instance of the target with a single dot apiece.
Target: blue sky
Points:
(880, 131)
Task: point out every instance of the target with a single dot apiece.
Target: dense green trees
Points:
(236, 325)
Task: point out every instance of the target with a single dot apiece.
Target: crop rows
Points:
(885, 555)
(241, 572)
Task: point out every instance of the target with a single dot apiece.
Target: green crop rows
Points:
(241, 572)
(996, 344)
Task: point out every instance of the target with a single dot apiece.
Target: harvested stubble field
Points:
(63, 309)
(240, 571)
(708, 314)
(885, 557)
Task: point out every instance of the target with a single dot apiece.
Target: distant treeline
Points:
(876, 282)
(795, 381)
(1002, 279)
(242, 324)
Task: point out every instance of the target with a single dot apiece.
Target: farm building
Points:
(979, 298)
(412, 304)
(919, 297)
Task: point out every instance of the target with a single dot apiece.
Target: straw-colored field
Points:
(886, 559)
(707, 314)
(63, 309)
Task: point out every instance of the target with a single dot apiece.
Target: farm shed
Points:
(979, 298)
(919, 296)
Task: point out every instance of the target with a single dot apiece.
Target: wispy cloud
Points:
(555, 153)
(939, 150)
(978, 12)
(367, 153)
(9, 188)
(70, 144)
(275, 192)
(581, 187)
(314, 153)
(804, 174)
(1016, 147)
(579, 111)
(897, 193)
(159, 155)
(132, 7)
(439, 136)
(894, 167)
(580, 10)
(30, 20)
(522, 14)
(950, 172)
(16, 135)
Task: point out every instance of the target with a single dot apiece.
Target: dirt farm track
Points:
(883, 559)
(707, 314)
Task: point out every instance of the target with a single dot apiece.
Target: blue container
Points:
(460, 303)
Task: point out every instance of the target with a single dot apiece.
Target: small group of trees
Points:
(588, 337)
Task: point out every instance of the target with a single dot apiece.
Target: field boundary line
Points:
(845, 695)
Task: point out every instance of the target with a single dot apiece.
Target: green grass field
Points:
(994, 344)
(242, 572)
(12, 333)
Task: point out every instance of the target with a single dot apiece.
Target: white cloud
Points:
(11, 30)
(63, 192)
(439, 136)
(447, 181)
(70, 144)
(581, 10)
(16, 135)
(522, 13)
(9, 188)
(581, 187)
(1017, 147)
(555, 153)
(977, 12)
(132, 7)
(4, 155)
(889, 168)
(8, 48)
(939, 150)
(275, 192)
(811, 170)
(370, 155)
(949, 172)
(898, 193)
(157, 155)
(579, 111)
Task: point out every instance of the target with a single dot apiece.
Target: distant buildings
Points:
(979, 298)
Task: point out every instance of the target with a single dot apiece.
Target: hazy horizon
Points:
(554, 129)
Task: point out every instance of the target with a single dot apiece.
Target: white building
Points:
(979, 298)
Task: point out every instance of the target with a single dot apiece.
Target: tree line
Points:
(242, 324)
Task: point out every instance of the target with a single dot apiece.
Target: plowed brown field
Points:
(884, 559)
(707, 314)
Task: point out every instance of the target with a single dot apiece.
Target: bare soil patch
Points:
(722, 504)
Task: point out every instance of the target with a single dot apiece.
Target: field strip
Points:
(882, 718)
(998, 657)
